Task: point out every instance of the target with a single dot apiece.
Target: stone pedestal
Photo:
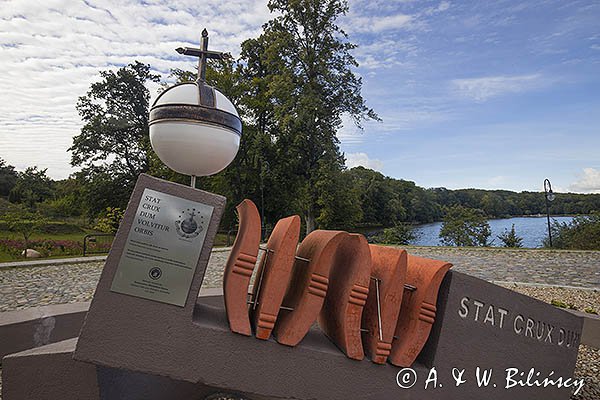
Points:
(206, 352)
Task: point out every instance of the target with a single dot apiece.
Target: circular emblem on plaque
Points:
(155, 273)
(187, 226)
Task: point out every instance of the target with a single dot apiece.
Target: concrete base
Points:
(205, 351)
(58, 376)
(34, 327)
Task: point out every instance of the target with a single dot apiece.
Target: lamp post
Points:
(548, 196)
(194, 129)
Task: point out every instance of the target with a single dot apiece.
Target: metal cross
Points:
(203, 54)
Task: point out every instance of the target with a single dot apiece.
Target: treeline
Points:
(385, 201)
(370, 199)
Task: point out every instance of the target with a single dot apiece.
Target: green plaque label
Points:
(162, 248)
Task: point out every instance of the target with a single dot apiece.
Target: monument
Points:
(296, 318)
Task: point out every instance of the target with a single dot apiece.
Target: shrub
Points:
(465, 227)
(510, 238)
(110, 220)
(398, 234)
(582, 233)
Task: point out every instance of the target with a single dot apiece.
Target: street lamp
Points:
(548, 196)
(194, 129)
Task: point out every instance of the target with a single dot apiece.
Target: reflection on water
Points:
(532, 229)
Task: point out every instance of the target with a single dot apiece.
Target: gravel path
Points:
(25, 287)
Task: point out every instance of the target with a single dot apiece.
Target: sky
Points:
(472, 94)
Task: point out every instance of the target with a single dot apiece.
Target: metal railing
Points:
(92, 246)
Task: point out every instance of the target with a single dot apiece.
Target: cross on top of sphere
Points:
(203, 54)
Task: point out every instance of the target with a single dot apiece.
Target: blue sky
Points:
(496, 95)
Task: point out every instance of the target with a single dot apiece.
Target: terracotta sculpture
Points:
(340, 318)
(240, 267)
(308, 288)
(389, 267)
(418, 310)
(273, 275)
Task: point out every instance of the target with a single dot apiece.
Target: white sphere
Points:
(192, 146)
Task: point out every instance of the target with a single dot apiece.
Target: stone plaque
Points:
(162, 248)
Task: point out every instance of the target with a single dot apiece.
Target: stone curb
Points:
(56, 261)
(73, 260)
(545, 285)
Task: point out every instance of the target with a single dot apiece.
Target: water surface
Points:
(532, 229)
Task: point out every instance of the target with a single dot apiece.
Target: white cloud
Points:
(481, 89)
(362, 159)
(53, 50)
(379, 23)
(588, 182)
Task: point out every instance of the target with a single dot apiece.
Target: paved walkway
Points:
(25, 287)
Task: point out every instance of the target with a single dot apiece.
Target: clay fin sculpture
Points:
(274, 275)
(340, 317)
(308, 287)
(418, 310)
(389, 268)
(240, 267)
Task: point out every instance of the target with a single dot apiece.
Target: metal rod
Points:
(379, 310)
(193, 181)
(546, 189)
(264, 248)
(262, 273)
(377, 280)
(302, 258)
(256, 303)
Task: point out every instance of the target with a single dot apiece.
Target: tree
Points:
(510, 238)
(582, 233)
(465, 227)
(398, 234)
(32, 187)
(67, 200)
(8, 178)
(309, 82)
(26, 223)
(114, 144)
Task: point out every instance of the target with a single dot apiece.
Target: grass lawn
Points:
(77, 237)
(220, 240)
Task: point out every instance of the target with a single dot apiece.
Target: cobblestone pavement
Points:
(42, 285)
(550, 267)
(25, 287)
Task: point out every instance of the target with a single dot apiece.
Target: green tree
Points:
(8, 178)
(465, 227)
(26, 223)
(32, 187)
(582, 233)
(510, 238)
(67, 200)
(113, 147)
(310, 84)
(398, 234)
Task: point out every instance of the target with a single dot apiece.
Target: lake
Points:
(532, 229)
